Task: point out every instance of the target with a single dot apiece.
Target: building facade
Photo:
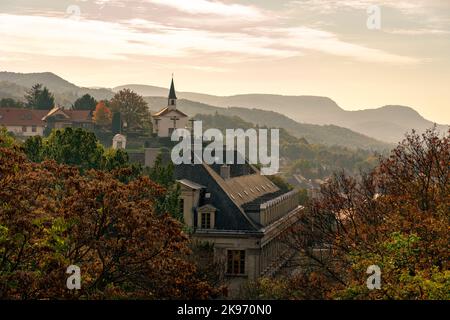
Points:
(26, 122)
(169, 118)
(23, 122)
(242, 213)
(59, 118)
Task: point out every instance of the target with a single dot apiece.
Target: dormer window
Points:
(206, 220)
(206, 217)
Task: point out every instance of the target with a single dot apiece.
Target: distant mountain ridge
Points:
(14, 85)
(388, 123)
(318, 134)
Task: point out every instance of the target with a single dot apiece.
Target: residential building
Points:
(27, 122)
(59, 118)
(23, 122)
(242, 213)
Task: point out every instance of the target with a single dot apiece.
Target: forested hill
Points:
(300, 158)
(329, 135)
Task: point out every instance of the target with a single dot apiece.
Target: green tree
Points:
(33, 148)
(133, 108)
(11, 103)
(116, 123)
(114, 159)
(82, 149)
(39, 97)
(6, 138)
(86, 102)
(74, 147)
(164, 176)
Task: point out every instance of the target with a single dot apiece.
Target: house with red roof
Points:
(26, 122)
(23, 122)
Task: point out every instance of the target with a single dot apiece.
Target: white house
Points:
(23, 122)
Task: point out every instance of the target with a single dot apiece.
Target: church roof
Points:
(172, 94)
(166, 110)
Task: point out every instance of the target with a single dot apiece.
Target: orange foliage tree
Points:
(102, 115)
(52, 217)
(395, 217)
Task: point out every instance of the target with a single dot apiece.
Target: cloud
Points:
(208, 7)
(94, 39)
(329, 43)
(416, 32)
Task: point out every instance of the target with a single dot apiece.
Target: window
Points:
(236, 262)
(24, 129)
(205, 220)
(33, 128)
(181, 208)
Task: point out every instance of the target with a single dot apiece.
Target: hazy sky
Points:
(298, 47)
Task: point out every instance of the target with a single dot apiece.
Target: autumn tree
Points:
(39, 97)
(86, 102)
(52, 217)
(133, 109)
(102, 115)
(395, 217)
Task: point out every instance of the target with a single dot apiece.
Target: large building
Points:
(27, 122)
(242, 213)
(169, 118)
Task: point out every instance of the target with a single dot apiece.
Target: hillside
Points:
(322, 120)
(302, 163)
(321, 134)
(388, 123)
(14, 85)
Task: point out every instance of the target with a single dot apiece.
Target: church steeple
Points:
(172, 102)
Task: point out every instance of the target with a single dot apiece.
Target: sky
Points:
(361, 53)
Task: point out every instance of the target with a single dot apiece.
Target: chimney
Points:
(225, 171)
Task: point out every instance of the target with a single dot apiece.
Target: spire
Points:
(172, 101)
(172, 94)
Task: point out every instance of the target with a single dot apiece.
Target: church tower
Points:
(169, 118)
(172, 102)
